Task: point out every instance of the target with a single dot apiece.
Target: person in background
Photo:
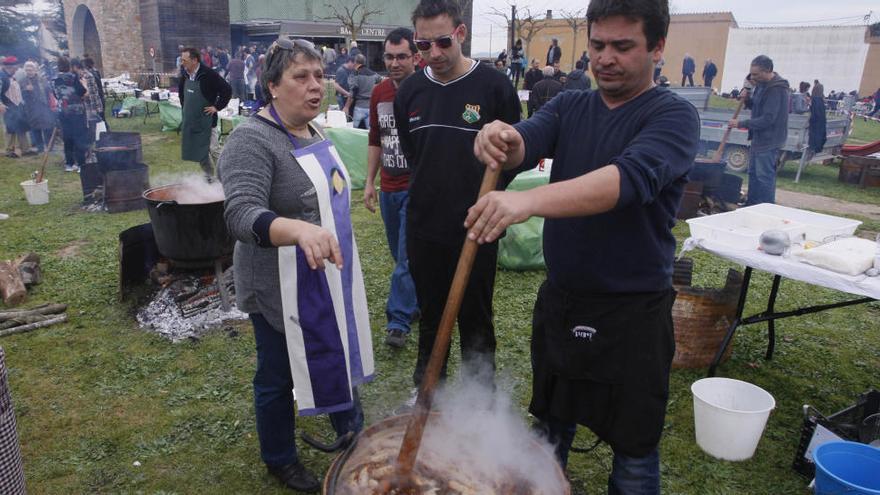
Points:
(658, 69)
(340, 82)
(554, 53)
(688, 67)
(203, 93)
(261, 98)
(384, 154)
(92, 100)
(89, 64)
(69, 91)
(236, 78)
(361, 82)
(710, 70)
(178, 60)
(800, 101)
(355, 51)
(438, 112)
(13, 110)
(818, 120)
(544, 91)
(602, 333)
(516, 62)
(578, 78)
(499, 66)
(876, 103)
(250, 74)
(280, 176)
(37, 94)
(502, 57)
(532, 76)
(343, 56)
(586, 60)
(768, 128)
(222, 61)
(207, 59)
(329, 58)
(557, 72)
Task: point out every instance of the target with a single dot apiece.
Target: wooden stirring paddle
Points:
(406, 459)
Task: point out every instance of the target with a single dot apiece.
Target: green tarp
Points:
(522, 247)
(170, 116)
(352, 147)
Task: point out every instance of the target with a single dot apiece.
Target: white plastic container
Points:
(819, 227)
(729, 417)
(741, 229)
(37, 193)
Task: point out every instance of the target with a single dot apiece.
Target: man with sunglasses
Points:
(384, 153)
(438, 112)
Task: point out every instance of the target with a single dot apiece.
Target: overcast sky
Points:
(748, 13)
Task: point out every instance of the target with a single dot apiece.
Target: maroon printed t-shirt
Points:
(394, 174)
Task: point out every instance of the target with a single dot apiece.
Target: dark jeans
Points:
(629, 475)
(75, 131)
(689, 78)
(273, 399)
(515, 72)
(40, 138)
(432, 266)
(762, 177)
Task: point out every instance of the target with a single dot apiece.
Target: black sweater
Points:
(214, 88)
(653, 140)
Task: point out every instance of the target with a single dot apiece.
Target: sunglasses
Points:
(284, 44)
(400, 57)
(442, 42)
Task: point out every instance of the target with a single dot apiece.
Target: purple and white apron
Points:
(326, 322)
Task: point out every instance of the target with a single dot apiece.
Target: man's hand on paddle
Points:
(499, 144)
(496, 211)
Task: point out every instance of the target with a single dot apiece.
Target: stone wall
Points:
(118, 24)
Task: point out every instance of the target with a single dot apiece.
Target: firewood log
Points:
(11, 284)
(33, 326)
(43, 309)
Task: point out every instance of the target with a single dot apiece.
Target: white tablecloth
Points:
(790, 267)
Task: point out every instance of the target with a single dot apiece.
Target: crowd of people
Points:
(36, 98)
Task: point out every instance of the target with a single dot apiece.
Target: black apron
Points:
(195, 133)
(603, 361)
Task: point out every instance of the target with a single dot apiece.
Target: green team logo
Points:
(471, 114)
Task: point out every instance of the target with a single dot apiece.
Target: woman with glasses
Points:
(287, 204)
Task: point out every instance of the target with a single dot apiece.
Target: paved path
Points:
(826, 204)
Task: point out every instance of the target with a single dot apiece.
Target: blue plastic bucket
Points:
(847, 467)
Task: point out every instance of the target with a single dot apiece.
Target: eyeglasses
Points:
(400, 57)
(442, 42)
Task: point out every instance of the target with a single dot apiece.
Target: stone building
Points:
(122, 34)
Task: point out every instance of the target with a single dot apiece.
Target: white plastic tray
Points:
(741, 229)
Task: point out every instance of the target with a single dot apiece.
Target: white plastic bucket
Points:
(336, 118)
(729, 417)
(37, 193)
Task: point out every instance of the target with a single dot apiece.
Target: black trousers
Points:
(432, 266)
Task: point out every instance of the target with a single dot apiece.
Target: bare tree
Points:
(505, 20)
(353, 15)
(529, 26)
(575, 21)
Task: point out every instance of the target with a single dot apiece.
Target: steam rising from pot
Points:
(192, 188)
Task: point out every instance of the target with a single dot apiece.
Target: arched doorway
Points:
(84, 36)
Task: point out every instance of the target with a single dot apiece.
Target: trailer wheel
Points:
(737, 158)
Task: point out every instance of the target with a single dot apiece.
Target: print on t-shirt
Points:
(393, 161)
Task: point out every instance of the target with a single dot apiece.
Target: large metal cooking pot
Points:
(333, 482)
(190, 233)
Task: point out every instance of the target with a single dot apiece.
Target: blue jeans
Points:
(273, 399)
(401, 304)
(360, 116)
(629, 475)
(762, 177)
(40, 138)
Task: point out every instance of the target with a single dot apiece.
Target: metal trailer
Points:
(713, 122)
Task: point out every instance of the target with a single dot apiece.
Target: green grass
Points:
(97, 394)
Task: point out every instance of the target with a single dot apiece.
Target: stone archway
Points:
(85, 38)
